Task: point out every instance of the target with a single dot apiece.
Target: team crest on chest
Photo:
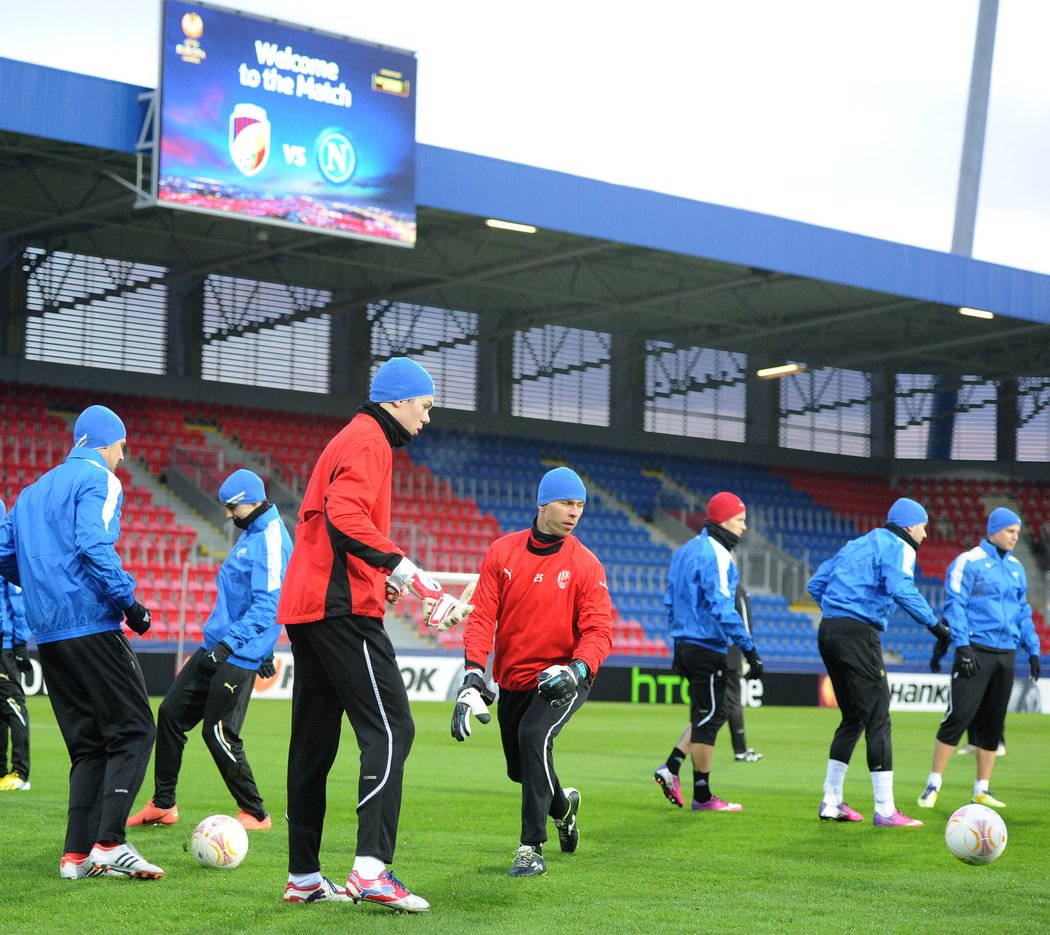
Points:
(563, 579)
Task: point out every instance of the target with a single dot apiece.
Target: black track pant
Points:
(528, 725)
(346, 665)
(99, 699)
(13, 716)
(980, 702)
(852, 654)
(217, 702)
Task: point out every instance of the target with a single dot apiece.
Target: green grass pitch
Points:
(642, 866)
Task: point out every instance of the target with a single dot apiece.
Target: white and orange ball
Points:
(219, 841)
(976, 834)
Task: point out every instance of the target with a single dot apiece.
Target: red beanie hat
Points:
(723, 506)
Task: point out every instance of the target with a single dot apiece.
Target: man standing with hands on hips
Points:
(542, 609)
(57, 543)
(986, 606)
(343, 570)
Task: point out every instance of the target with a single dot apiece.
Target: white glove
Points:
(406, 574)
(446, 611)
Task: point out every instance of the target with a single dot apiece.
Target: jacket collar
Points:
(87, 454)
(263, 519)
(395, 433)
(993, 551)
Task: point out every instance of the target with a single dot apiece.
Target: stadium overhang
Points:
(638, 264)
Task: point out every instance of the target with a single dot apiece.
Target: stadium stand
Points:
(454, 492)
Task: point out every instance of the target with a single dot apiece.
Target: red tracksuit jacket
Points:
(544, 605)
(343, 553)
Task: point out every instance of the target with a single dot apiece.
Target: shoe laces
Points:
(525, 855)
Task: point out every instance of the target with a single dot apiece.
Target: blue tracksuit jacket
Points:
(701, 596)
(866, 577)
(249, 585)
(986, 601)
(58, 542)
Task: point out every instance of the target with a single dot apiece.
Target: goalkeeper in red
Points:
(542, 608)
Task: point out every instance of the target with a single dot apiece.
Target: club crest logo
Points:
(563, 579)
(249, 139)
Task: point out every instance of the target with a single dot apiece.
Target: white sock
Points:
(368, 867)
(981, 785)
(934, 779)
(834, 781)
(305, 880)
(882, 785)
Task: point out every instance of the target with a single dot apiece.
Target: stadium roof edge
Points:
(82, 109)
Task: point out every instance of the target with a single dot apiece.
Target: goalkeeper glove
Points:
(944, 638)
(558, 684)
(754, 663)
(966, 661)
(446, 611)
(214, 657)
(1034, 667)
(268, 669)
(137, 617)
(25, 665)
(474, 698)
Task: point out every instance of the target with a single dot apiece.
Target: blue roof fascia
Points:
(493, 188)
(61, 105)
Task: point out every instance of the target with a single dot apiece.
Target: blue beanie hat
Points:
(905, 513)
(562, 483)
(400, 378)
(98, 427)
(1000, 518)
(242, 486)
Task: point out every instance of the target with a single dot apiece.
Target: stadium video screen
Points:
(285, 125)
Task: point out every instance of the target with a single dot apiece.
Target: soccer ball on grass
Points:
(219, 841)
(976, 834)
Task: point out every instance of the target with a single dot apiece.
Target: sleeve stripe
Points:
(109, 508)
(272, 536)
(723, 559)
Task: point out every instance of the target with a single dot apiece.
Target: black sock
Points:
(675, 760)
(701, 790)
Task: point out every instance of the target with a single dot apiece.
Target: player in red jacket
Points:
(542, 608)
(343, 570)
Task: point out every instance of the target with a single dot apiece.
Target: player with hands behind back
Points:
(58, 544)
(542, 609)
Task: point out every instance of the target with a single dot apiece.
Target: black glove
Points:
(755, 662)
(966, 661)
(1033, 667)
(558, 684)
(214, 657)
(473, 697)
(943, 634)
(268, 669)
(137, 617)
(25, 665)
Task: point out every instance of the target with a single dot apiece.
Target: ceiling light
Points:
(976, 313)
(783, 370)
(510, 226)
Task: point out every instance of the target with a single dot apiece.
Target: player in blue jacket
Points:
(857, 589)
(57, 544)
(214, 687)
(986, 606)
(14, 662)
(701, 605)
